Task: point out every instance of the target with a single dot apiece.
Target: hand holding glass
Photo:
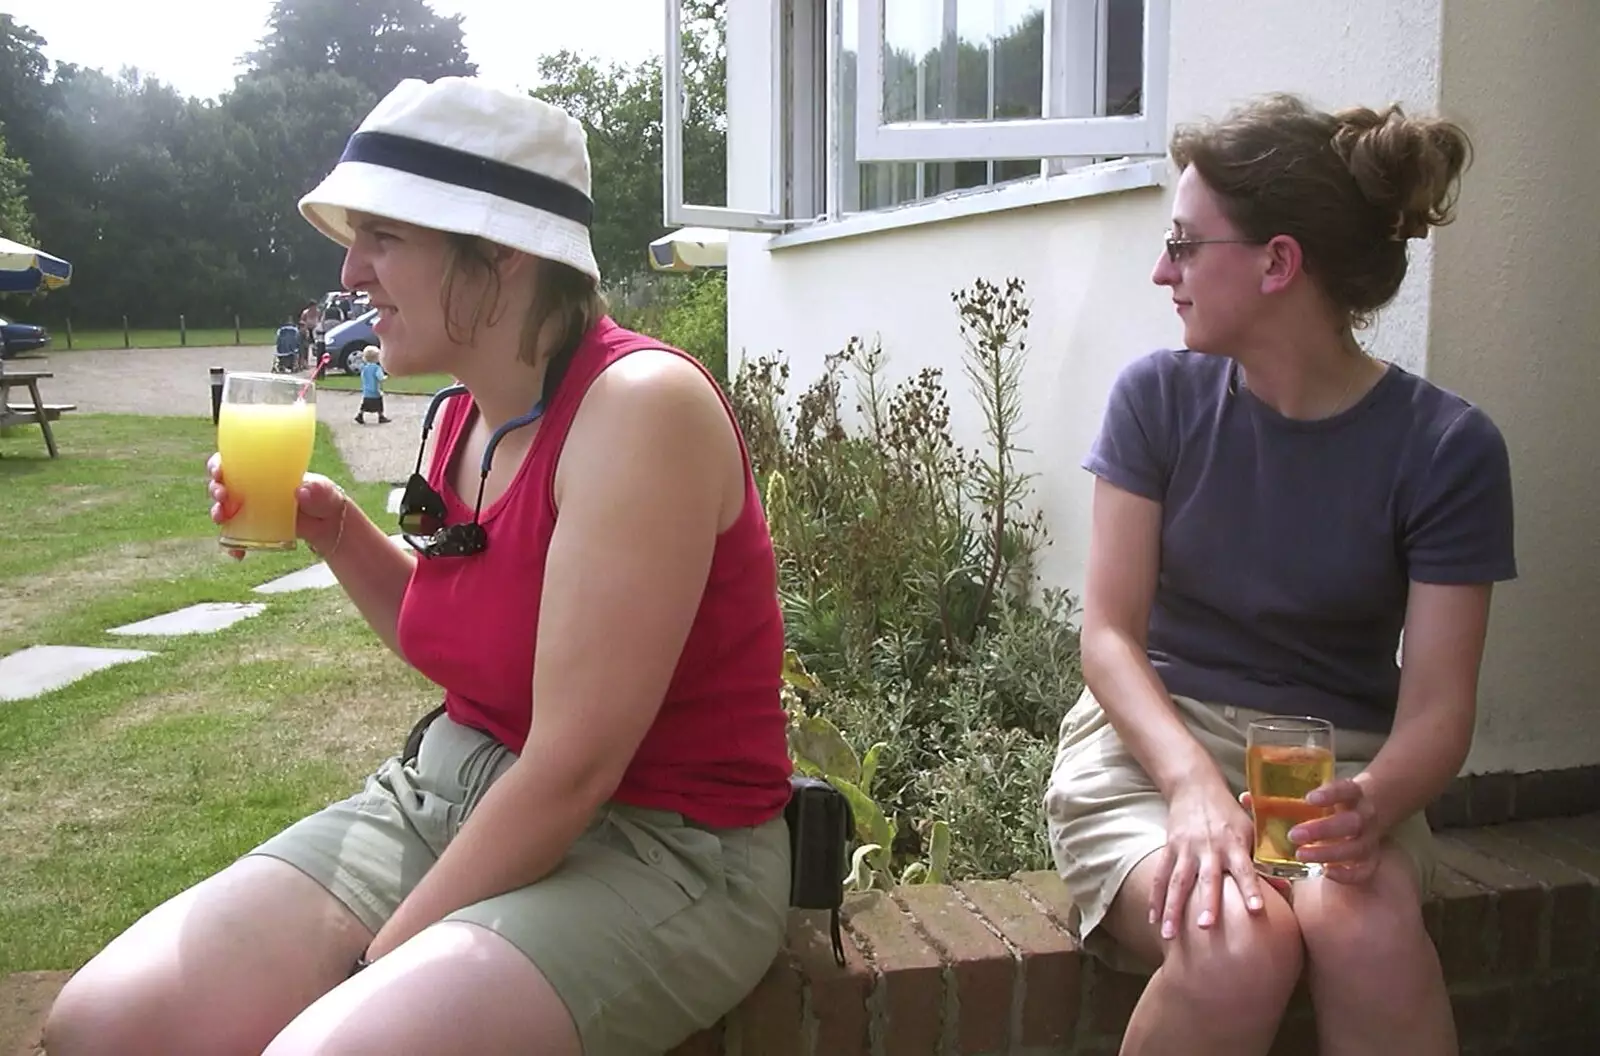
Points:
(1286, 757)
(265, 432)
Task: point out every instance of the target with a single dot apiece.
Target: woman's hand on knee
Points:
(1208, 837)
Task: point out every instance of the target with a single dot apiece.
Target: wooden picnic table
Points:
(35, 411)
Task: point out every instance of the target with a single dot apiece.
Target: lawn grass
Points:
(417, 385)
(90, 340)
(123, 788)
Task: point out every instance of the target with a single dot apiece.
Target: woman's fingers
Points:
(1177, 891)
(319, 497)
(1343, 825)
(1158, 885)
(1208, 889)
(1347, 851)
(1243, 870)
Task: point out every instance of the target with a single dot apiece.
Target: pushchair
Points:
(286, 356)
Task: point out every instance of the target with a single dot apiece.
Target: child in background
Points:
(287, 354)
(372, 376)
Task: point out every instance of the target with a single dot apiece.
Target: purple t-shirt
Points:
(1287, 546)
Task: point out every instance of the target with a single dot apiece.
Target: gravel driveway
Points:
(176, 381)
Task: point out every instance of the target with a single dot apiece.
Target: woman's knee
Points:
(218, 968)
(1247, 965)
(104, 1011)
(1364, 931)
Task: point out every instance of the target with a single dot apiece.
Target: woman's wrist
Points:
(326, 552)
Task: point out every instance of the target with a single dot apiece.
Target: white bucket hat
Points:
(460, 155)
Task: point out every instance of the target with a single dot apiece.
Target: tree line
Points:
(170, 205)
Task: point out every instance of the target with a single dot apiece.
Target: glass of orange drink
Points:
(1286, 756)
(265, 430)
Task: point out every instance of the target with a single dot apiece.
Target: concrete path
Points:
(177, 382)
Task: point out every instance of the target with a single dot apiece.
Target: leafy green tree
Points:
(16, 219)
(620, 110)
(168, 205)
(375, 42)
(24, 95)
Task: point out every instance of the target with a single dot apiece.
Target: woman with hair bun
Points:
(1273, 507)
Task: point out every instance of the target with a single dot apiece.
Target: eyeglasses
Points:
(1179, 248)
(422, 509)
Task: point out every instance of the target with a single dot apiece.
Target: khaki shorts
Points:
(1106, 815)
(652, 927)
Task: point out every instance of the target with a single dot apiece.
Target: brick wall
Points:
(993, 967)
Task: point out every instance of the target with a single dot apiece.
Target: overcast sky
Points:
(194, 45)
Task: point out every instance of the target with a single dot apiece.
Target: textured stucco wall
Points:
(1516, 328)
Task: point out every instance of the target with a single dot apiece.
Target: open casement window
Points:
(1009, 80)
(769, 214)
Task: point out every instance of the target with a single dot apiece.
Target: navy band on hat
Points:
(474, 172)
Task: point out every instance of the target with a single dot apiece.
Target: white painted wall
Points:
(1516, 328)
(1086, 262)
(1499, 307)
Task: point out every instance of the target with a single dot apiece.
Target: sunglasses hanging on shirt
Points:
(422, 509)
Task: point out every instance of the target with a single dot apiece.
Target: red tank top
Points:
(717, 751)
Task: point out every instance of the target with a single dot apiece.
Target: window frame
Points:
(808, 152)
(676, 212)
(1069, 86)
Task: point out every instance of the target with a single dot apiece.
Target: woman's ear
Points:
(1285, 262)
(514, 263)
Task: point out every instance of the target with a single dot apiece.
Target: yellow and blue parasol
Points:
(689, 248)
(24, 269)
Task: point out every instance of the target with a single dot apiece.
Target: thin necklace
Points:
(1338, 407)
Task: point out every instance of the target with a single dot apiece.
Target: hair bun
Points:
(1409, 168)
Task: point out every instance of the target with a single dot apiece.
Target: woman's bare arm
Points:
(642, 488)
(1124, 561)
(1446, 627)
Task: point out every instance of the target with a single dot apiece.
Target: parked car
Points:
(20, 337)
(344, 342)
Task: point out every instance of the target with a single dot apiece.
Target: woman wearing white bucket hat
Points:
(583, 848)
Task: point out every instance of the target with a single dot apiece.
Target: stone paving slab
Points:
(205, 618)
(315, 577)
(42, 668)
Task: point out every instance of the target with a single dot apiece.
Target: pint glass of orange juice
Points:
(1286, 757)
(264, 433)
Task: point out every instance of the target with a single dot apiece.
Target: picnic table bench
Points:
(34, 411)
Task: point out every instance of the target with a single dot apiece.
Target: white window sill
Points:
(1091, 181)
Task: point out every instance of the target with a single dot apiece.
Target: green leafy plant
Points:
(686, 311)
(907, 574)
(819, 749)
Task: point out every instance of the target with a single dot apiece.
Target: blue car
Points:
(20, 337)
(344, 342)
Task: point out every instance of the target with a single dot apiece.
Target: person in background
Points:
(372, 376)
(286, 358)
(309, 318)
(1273, 505)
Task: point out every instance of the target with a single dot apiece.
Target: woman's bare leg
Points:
(1375, 977)
(216, 970)
(455, 987)
(1222, 990)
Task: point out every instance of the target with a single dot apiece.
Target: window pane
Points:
(963, 60)
(1124, 58)
(977, 60)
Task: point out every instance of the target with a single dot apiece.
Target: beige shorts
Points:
(652, 927)
(1106, 815)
